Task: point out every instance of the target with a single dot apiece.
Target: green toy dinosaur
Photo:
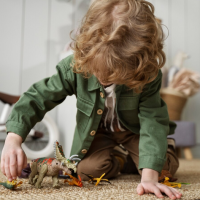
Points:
(42, 167)
(11, 185)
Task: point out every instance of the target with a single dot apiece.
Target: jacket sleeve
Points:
(154, 121)
(40, 98)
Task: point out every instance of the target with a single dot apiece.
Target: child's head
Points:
(120, 42)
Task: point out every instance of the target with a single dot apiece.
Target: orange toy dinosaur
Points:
(74, 180)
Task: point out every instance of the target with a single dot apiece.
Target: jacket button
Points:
(84, 151)
(92, 133)
(99, 112)
(101, 94)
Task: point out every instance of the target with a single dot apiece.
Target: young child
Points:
(115, 75)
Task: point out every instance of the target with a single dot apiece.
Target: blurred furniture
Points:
(185, 132)
(175, 102)
(184, 137)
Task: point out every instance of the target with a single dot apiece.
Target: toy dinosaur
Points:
(11, 185)
(173, 184)
(42, 167)
(97, 180)
(74, 180)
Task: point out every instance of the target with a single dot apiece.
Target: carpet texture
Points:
(123, 187)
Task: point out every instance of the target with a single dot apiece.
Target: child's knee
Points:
(96, 169)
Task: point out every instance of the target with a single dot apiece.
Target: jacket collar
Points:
(93, 83)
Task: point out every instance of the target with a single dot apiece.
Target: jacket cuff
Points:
(151, 162)
(17, 128)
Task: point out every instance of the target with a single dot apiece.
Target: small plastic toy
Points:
(11, 185)
(59, 155)
(97, 180)
(42, 167)
(173, 184)
(74, 180)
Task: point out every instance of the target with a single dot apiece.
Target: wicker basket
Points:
(175, 102)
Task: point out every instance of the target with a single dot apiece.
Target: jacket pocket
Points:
(84, 111)
(128, 109)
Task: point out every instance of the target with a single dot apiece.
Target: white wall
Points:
(34, 32)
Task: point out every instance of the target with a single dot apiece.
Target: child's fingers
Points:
(7, 168)
(157, 192)
(176, 192)
(140, 189)
(20, 161)
(13, 166)
(2, 165)
(171, 194)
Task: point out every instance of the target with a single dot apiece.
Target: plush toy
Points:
(42, 167)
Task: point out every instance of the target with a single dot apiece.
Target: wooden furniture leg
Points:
(187, 153)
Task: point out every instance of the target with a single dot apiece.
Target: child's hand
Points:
(149, 184)
(157, 188)
(13, 158)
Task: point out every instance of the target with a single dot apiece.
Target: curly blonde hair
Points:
(121, 42)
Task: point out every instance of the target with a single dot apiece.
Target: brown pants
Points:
(99, 158)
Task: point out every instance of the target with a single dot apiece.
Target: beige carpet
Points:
(123, 187)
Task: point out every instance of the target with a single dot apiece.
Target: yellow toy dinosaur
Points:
(173, 184)
(97, 180)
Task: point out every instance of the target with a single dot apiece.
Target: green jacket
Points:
(145, 114)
